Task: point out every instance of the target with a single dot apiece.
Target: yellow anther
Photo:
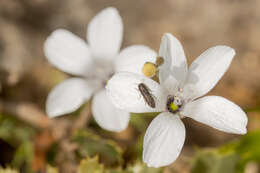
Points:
(149, 69)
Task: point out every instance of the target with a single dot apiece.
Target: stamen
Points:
(149, 69)
(159, 61)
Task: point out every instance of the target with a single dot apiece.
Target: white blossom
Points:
(92, 64)
(178, 94)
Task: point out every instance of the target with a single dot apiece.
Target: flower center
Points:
(174, 104)
(100, 72)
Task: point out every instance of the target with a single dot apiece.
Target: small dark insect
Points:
(148, 97)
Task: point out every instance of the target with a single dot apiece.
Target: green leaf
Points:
(248, 149)
(249, 145)
(91, 145)
(254, 109)
(211, 161)
(116, 171)
(141, 167)
(231, 157)
(139, 147)
(14, 131)
(23, 156)
(90, 165)
(139, 121)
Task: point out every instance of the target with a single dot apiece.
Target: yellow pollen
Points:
(173, 106)
(149, 69)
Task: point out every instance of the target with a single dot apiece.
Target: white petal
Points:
(171, 84)
(107, 115)
(132, 58)
(163, 140)
(207, 69)
(67, 52)
(175, 60)
(67, 97)
(218, 113)
(123, 91)
(165, 52)
(105, 33)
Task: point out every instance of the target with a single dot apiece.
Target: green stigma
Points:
(173, 104)
(173, 107)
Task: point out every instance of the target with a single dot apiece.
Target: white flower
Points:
(178, 95)
(93, 64)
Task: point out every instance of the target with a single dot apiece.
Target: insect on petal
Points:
(123, 91)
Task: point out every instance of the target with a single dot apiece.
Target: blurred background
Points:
(28, 145)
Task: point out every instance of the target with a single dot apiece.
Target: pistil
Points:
(174, 104)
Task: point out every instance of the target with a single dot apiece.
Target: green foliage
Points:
(249, 146)
(138, 122)
(19, 135)
(140, 167)
(116, 171)
(139, 147)
(14, 131)
(92, 165)
(254, 109)
(230, 158)
(91, 145)
(23, 156)
(248, 149)
(211, 161)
